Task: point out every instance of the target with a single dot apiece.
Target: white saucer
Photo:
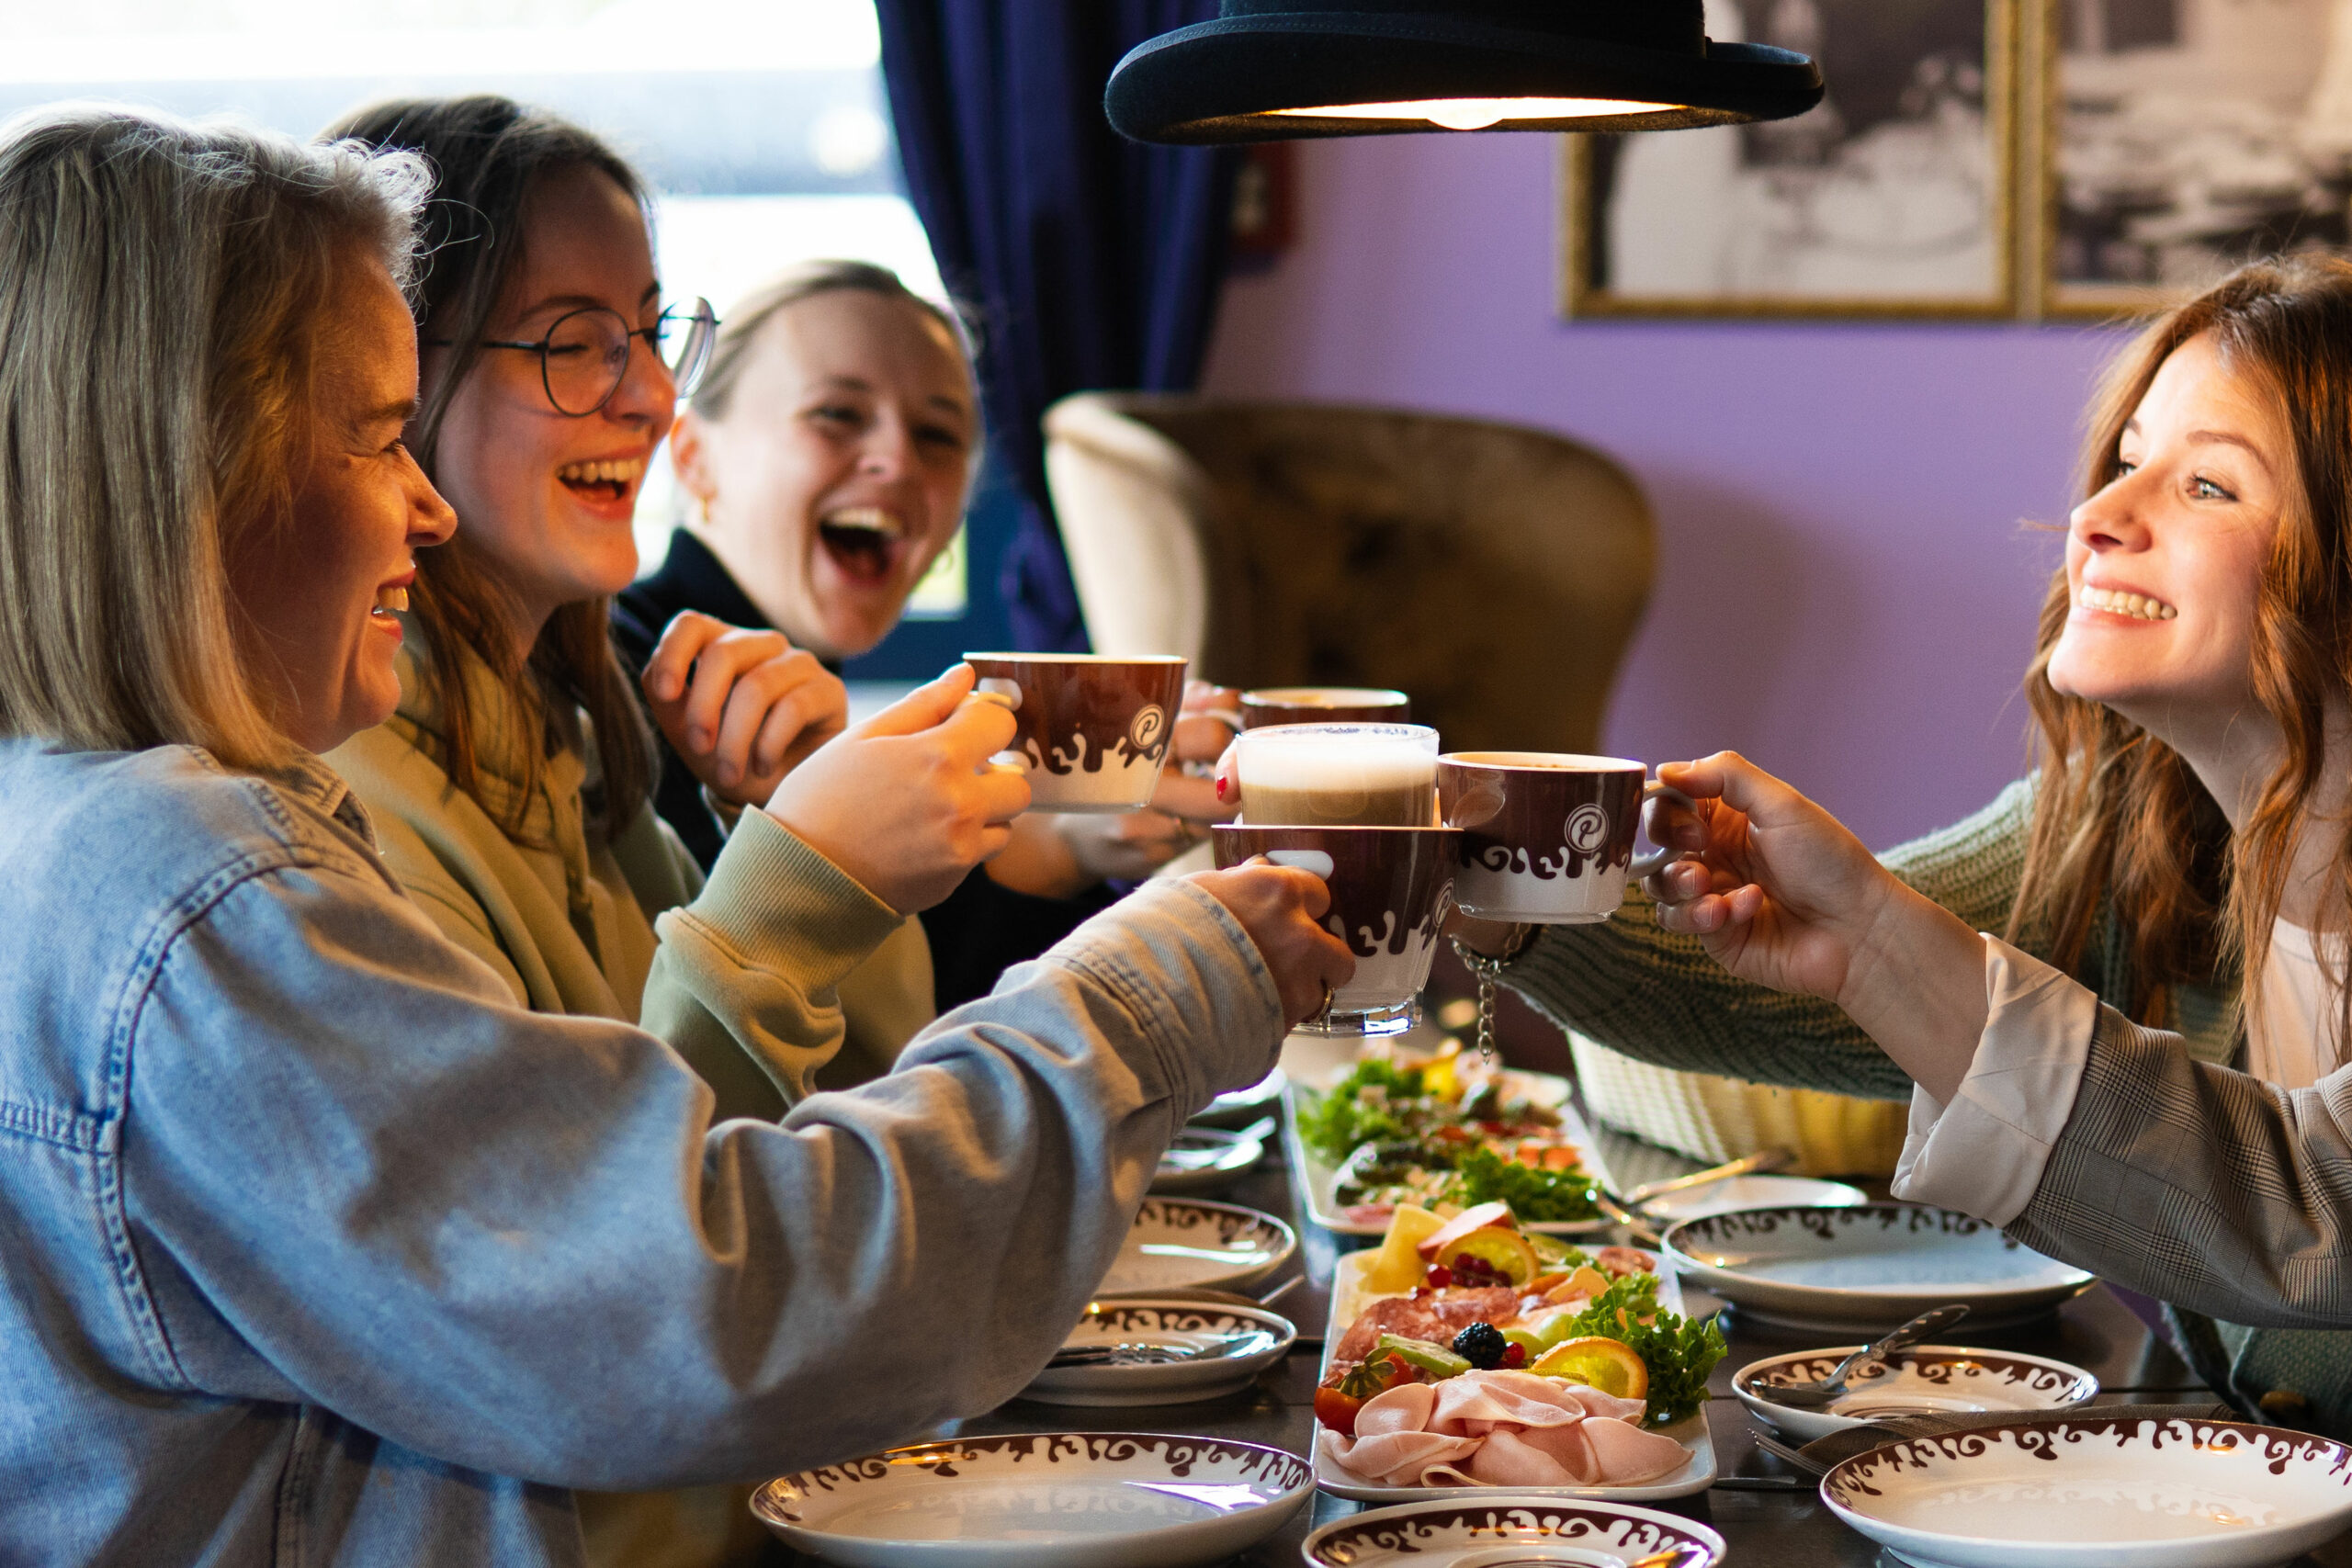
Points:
(1510, 1531)
(1054, 1500)
(1183, 1243)
(1204, 1160)
(2099, 1490)
(1224, 1350)
(1240, 1107)
(1940, 1380)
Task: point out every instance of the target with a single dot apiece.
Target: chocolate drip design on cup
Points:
(1523, 834)
(1093, 729)
(1390, 889)
(1547, 837)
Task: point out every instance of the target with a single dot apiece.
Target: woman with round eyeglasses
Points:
(512, 789)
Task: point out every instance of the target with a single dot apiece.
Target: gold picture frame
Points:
(2171, 142)
(1809, 183)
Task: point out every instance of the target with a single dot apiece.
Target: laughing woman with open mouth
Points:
(513, 787)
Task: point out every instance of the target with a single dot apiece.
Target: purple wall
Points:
(1844, 592)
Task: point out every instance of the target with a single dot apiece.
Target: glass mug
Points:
(1389, 889)
(1320, 775)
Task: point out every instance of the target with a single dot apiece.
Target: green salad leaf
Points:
(1348, 1115)
(1677, 1352)
(1482, 1176)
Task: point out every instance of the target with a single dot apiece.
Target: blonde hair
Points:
(2120, 818)
(732, 352)
(160, 287)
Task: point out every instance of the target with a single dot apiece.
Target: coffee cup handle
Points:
(1648, 864)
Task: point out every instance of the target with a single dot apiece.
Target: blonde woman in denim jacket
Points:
(321, 1250)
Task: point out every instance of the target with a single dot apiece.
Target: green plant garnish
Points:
(1482, 1176)
(1346, 1115)
(1678, 1351)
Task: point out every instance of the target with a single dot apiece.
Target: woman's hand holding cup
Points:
(1780, 893)
(907, 802)
(1281, 907)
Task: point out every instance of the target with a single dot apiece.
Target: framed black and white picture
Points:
(2182, 136)
(1896, 195)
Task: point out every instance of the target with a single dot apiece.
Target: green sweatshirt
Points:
(576, 921)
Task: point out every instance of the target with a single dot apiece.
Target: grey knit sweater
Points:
(1659, 997)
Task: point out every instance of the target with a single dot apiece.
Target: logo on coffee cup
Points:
(1147, 732)
(1587, 829)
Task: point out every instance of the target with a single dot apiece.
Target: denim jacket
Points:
(318, 1250)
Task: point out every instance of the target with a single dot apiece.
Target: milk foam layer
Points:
(1355, 764)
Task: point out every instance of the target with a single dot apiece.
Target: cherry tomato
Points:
(1337, 1411)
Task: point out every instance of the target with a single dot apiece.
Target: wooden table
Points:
(1764, 1529)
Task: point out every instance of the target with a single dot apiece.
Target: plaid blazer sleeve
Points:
(2201, 1186)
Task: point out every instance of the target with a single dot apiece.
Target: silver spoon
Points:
(1814, 1395)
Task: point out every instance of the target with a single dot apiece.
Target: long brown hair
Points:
(486, 153)
(2118, 815)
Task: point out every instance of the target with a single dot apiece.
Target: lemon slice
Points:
(1605, 1364)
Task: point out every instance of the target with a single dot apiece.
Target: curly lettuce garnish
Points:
(1677, 1352)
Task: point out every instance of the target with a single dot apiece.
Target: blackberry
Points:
(1482, 1345)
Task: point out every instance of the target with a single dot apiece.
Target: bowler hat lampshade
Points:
(1269, 70)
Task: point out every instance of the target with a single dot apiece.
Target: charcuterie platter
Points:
(1468, 1356)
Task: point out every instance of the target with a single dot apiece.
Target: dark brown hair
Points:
(486, 155)
(2118, 815)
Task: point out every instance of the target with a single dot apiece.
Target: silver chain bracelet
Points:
(1489, 970)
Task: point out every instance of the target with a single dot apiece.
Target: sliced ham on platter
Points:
(1502, 1428)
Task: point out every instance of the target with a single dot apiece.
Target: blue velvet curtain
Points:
(1094, 262)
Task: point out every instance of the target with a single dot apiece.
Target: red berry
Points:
(1516, 1356)
(1420, 1291)
(1440, 1277)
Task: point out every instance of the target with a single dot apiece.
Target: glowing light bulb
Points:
(1477, 114)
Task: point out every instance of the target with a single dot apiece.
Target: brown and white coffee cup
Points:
(1093, 728)
(1547, 837)
(1314, 775)
(1324, 704)
(1389, 889)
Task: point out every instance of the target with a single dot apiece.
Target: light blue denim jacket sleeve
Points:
(287, 1162)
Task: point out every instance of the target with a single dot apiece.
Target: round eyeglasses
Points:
(584, 357)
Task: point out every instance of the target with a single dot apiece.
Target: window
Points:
(761, 124)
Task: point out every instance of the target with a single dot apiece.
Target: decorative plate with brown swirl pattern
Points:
(1163, 1351)
(1184, 1244)
(1048, 1500)
(1926, 1379)
(2102, 1489)
(1866, 1269)
(1511, 1531)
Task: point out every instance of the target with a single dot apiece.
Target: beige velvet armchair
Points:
(1494, 572)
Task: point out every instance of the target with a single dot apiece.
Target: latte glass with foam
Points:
(1325, 775)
